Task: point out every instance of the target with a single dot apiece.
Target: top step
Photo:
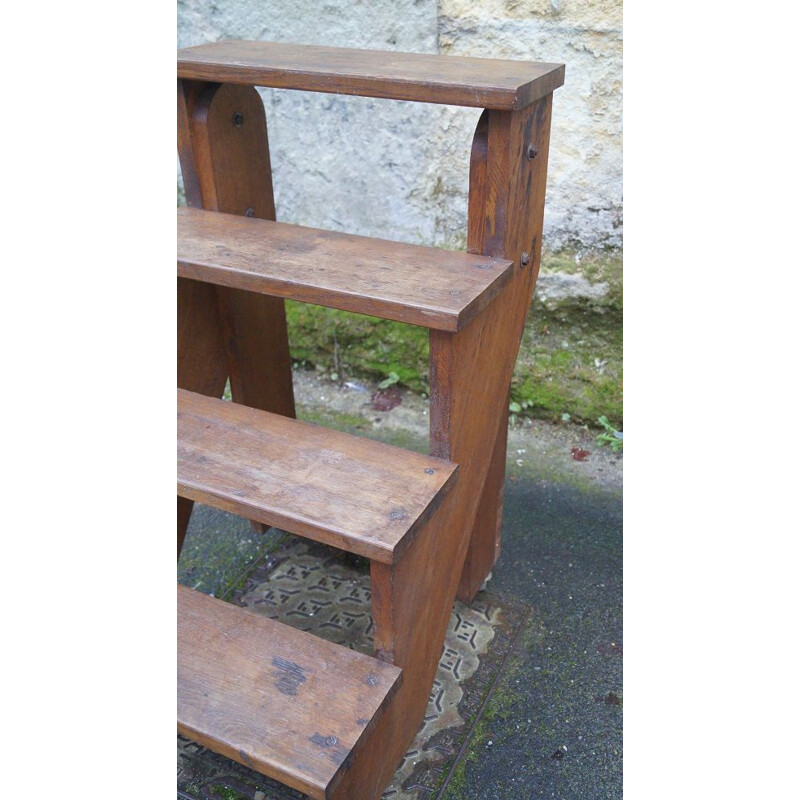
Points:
(454, 80)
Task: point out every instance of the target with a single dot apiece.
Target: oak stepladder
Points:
(318, 717)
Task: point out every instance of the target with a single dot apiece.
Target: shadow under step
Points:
(356, 494)
(276, 699)
(426, 286)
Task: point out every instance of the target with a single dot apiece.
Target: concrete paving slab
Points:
(552, 727)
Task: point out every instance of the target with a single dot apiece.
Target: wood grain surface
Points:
(508, 177)
(274, 698)
(424, 286)
(455, 80)
(362, 496)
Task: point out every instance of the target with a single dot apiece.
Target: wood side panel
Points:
(485, 546)
(184, 513)
(411, 605)
(188, 92)
(224, 152)
(201, 359)
(272, 697)
(508, 174)
(427, 78)
(412, 599)
(201, 346)
(258, 350)
(229, 131)
(470, 374)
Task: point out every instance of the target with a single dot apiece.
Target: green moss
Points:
(224, 793)
(333, 419)
(570, 361)
(361, 426)
(458, 782)
(355, 344)
(500, 705)
(570, 364)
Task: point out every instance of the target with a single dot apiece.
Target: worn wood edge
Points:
(308, 529)
(336, 536)
(268, 767)
(431, 317)
(278, 769)
(479, 304)
(366, 734)
(419, 523)
(539, 88)
(490, 97)
(290, 777)
(355, 85)
(217, 275)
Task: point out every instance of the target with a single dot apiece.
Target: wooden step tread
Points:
(356, 494)
(276, 699)
(455, 80)
(424, 286)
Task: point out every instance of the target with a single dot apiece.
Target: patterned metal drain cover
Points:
(327, 592)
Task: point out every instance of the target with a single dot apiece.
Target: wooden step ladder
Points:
(319, 717)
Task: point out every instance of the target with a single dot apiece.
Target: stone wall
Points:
(399, 170)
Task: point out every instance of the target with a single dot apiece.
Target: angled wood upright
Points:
(431, 528)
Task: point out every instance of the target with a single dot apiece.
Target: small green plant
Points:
(611, 437)
(517, 408)
(390, 381)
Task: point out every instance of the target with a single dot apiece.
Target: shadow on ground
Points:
(552, 726)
